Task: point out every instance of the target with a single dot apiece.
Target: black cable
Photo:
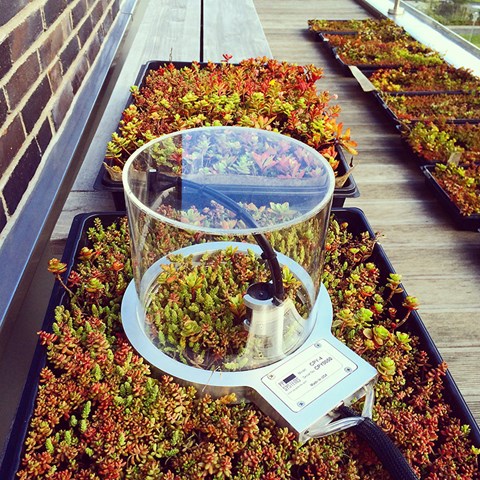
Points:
(268, 253)
(386, 451)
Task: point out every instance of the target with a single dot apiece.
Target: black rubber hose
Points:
(268, 253)
(386, 451)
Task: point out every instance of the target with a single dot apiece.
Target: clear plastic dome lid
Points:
(227, 226)
(254, 168)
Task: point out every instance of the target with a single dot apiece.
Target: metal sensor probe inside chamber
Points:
(228, 226)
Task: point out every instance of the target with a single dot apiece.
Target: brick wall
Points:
(46, 49)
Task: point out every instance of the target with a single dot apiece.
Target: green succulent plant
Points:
(260, 93)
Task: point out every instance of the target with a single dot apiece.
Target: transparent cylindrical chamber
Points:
(227, 229)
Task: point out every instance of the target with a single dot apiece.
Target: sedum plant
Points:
(437, 142)
(462, 185)
(195, 308)
(101, 413)
(228, 155)
(323, 25)
(382, 29)
(439, 107)
(442, 77)
(196, 313)
(261, 93)
(378, 52)
(298, 241)
(376, 42)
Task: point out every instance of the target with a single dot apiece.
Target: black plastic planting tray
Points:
(77, 238)
(369, 72)
(464, 222)
(323, 33)
(366, 68)
(104, 181)
(392, 116)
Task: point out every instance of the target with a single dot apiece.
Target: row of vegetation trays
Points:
(260, 93)
(376, 43)
(89, 401)
(437, 113)
(434, 106)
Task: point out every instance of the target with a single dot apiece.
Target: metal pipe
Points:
(396, 10)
